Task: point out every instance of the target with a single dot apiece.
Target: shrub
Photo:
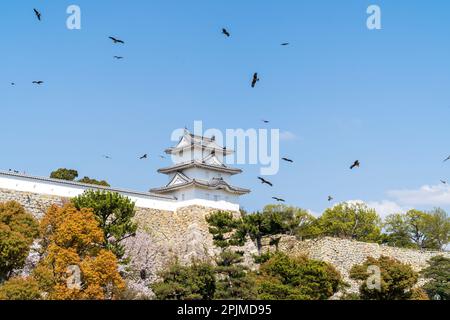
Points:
(396, 279)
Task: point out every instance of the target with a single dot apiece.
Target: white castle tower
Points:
(199, 171)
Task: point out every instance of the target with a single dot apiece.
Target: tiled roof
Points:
(214, 184)
(199, 141)
(199, 164)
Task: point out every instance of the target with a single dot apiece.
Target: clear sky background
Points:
(339, 92)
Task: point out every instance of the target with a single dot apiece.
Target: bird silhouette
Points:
(444, 182)
(107, 157)
(448, 158)
(115, 40)
(278, 199)
(225, 32)
(13, 84)
(118, 57)
(285, 44)
(287, 160)
(265, 121)
(264, 181)
(145, 156)
(38, 82)
(330, 198)
(255, 79)
(38, 14)
(356, 164)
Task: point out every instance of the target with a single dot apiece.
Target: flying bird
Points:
(118, 57)
(107, 157)
(330, 198)
(285, 44)
(287, 160)
(264, 181)
(255, 79)
(356, 164)
(444, 182)
(278, 199)
(38, 82)
(145, 156)
(225, 32)
(448, 158)
(115, 40)
(265, 121)
(13, 84)
(38, 14)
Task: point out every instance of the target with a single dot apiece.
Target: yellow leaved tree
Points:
(75, 266)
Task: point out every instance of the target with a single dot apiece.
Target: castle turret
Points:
(199, 171)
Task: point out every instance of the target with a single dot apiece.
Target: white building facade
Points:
(199, 171)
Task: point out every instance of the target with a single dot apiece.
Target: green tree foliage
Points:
(396, 279)
(233, 280)
(226, 229)
(276, 220)
(351, 221)
(397, 231)
(438, 273)
(18, 229)
(416, 221)
(437, 229)
(20, 289)
(286, 278)
(71, 175)
(64, 174)
(195, 282)
(114, 213)
(88, 180)
(418, 229)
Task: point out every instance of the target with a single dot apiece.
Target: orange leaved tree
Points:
(75, 266)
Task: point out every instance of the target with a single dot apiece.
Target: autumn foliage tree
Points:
(75, 264)
(18, 229)
(114, 214)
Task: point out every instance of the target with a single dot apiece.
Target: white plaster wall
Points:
(63, 189)
(199, 173)
(193, 193)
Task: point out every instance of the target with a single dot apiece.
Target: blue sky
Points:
(340, 91)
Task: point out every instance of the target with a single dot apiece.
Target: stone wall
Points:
(344, 254)
(36, 204)
(163, 237)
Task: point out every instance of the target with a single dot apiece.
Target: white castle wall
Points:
(68, 189)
